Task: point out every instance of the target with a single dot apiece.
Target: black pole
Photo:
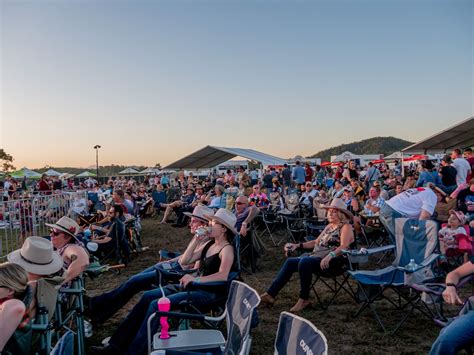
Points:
(97, 160)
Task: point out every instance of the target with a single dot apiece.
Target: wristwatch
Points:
(450, 284)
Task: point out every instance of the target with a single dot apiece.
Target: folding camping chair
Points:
(295, 228)
(70, 311)
(271, 220)
(298, 336)
(238, 313)
(415, 240)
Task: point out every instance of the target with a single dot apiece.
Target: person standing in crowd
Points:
(463, 168)
(286, 175)
(43, 185)
(253, 176)
(308, 173)
(397, 169)
(470, 159)
(373, 174)
(267, 180)
(299, 174)
(448, 175)
(428, 175)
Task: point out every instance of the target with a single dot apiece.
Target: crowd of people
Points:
(218, 207)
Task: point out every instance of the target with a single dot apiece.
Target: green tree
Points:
(6, 160)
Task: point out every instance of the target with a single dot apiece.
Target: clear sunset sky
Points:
(151, 81)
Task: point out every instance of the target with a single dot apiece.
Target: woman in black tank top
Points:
(215, 264)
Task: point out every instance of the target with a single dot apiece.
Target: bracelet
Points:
(301, 245)
(450, 284)
(332, 254)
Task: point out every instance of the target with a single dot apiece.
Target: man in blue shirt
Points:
(299, 174)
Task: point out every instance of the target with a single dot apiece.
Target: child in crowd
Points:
(447, 235)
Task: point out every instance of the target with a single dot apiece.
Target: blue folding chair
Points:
(298, 336)
(415, 240)
(240, 306)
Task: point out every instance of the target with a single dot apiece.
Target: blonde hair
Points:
(14, 277)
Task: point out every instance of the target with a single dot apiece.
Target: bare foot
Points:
(267, 299)
(300, 305)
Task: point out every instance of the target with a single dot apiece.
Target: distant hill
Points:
(376, 145)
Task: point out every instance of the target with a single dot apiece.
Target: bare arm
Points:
(424, 215)
(450, 294)
(192, 252)
(11, 314)
(80, 261)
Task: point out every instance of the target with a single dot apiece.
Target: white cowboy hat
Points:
(199, 212)
(225, 217)
(37, 256)
(339, 205)
(66, 225)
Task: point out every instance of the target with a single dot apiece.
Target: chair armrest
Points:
(424, 264)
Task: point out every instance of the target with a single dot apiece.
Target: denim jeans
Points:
(104, 306)
(456, 336)
(306, 266)
(132, 332)
(387, 216)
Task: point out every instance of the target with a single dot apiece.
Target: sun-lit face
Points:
(58, 238)
(453, 221)
(216, 229)
(333, 215)
(196, 224)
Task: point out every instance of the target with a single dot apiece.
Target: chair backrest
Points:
(415, 239)
(47, 293)
(240, 306)
(173, 193)
(158, 197)
(298, 336)
(65, 345)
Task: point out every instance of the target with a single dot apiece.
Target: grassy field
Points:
(344, 333)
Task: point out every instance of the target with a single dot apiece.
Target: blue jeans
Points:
(106, 305)
(306, 266)
(456, 336)
(132, 332)
(387, 216)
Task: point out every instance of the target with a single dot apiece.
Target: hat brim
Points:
(346, 212)
(189, 214)
(62, 229)
(51, 268)
(221, 221)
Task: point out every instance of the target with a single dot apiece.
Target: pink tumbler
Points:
(164, 305)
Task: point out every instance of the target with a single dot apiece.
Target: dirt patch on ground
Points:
(344, 333)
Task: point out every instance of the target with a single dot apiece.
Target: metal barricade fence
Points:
(27, 216)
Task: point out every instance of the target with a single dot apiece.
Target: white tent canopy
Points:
(128, 171)
(458, 136)
(150, 171)
(395, 156)
(345, 157)
(52, 172)
(66, 175)
(211, 156)
(85, 174)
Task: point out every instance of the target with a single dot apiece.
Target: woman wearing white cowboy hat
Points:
(215, 264)
(74, 255)
(326, 257)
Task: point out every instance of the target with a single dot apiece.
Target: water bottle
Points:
(164, 305)
(412, 265)
(87, 329)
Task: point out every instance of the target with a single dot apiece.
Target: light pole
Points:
(97, 147)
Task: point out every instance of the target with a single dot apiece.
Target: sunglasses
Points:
(55, 233)
(240, 203)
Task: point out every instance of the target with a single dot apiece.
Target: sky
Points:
(152, 81)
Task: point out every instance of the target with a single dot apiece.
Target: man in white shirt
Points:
(463, 168)
(418, 203)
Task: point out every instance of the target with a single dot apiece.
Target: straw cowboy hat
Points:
(199, 212)
(338, 204)
(224, 217)
(66, 225)
(37, 256)
(436, 189)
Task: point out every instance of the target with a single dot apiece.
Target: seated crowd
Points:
(348, 201)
